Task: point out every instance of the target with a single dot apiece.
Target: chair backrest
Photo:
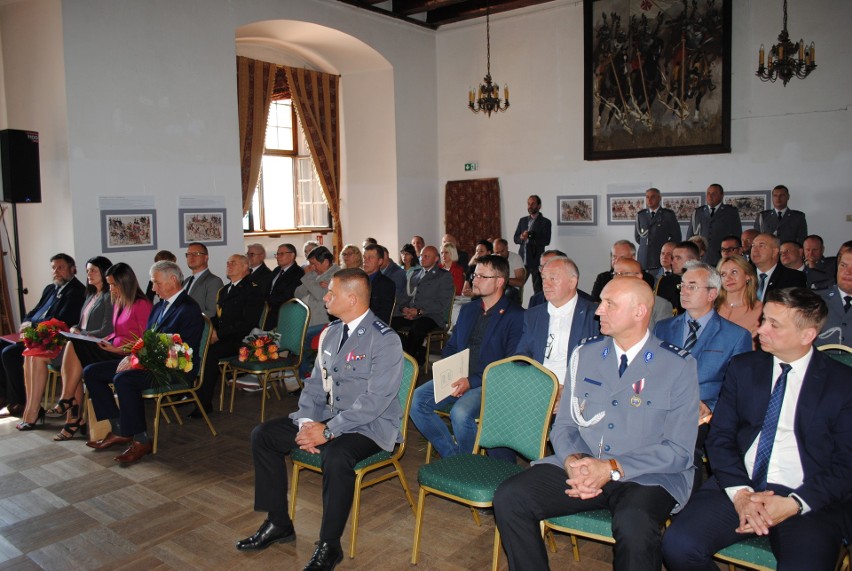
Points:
(838, 352)
(293, 319)
(517, 398)
(449, 316)
(410, 371)
(263, 315)
(203, 347)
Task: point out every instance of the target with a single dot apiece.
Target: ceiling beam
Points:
(475, 9)
(409, 7)
(367, 5)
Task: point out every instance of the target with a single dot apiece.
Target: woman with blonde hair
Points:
(450, 262)
(737, 301)
(350, 257)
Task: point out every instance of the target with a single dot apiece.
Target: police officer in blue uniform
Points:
(623, 438)
(347, 412)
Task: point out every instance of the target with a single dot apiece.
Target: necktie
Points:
(623, 366)
(712, 211)
(344, 337)
(760, 286)
(163, 310)
(189, 283)
(692, 338)
(48, 303)
(780, 215)
(278, 274)
(653, 213)
(848, 304)
(767, 431)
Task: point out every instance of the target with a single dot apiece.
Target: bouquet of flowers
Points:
(164, 355)
(44, 339)
(260, 346)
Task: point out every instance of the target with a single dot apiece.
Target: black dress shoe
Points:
(325, 558)
(267, 534)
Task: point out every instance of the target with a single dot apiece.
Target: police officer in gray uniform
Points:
(624, 438)
(655, 226)
(714, 221)
(348, 411)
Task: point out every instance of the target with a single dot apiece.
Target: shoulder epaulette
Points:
(589, 340)
(383, 327)
(335, 322)
(679, 351)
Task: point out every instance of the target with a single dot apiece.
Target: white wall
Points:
(798, 135)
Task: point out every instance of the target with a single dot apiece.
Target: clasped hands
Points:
(586, 476)
(310, 436)
(758, 511)
(409, 312)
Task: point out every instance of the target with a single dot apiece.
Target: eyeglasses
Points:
(285, 252)
(193, 254)
(548, 347)
(729, 250)
(252, 254)
(482, 277)
(692, 287)
(626, 274)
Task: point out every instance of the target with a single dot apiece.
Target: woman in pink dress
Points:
(130, 319)
(737, 301)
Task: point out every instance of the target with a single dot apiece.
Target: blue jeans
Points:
(463, 417)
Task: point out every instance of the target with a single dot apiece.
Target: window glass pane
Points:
(278, 193)
(313, 210)
(279, 126)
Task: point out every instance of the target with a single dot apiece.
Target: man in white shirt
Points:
(780, 447)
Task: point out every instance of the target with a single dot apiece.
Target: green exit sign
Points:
(470, 166)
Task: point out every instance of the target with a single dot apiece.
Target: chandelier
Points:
(487, 99)
(786, 59)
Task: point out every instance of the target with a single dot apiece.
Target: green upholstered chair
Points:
(293, 319)
(752, 553)
(594, 524)
(839, 352)
(517, 397)
(306, 460)
(224, 363)
(164, 396)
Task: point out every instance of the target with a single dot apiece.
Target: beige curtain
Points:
(315, 95)
(255, 81)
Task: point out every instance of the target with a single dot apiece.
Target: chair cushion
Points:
(260, 367)
(468, 476)
(597, 522)
(179, 386)
(302, 457)
(755, 550)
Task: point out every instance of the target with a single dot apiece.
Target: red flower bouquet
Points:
(261, 347)
(44, 339)
(164, 355)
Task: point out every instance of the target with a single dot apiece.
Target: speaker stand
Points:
(19, 272)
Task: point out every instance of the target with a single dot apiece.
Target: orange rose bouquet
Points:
(260, 347)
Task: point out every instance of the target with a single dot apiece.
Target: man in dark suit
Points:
(392, 270)
(668, 287)
(838, 298)
(202, 285)
(382, 288)
(259, 272)
(428, 308)
(552, 330)
(780, 221)
(176, 313)
(654, 227)
(282, 286)
(490, 326)
(62, 300)
(348, 411)
(709, 338)
(714, 221)
(819, 270)
(621, 250)
(771, 274)
(238, 309)
(780, 446)
(533, 236)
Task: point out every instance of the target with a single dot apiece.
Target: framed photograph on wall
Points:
(577, 210)
(205, 225)
(657, 78)
(128, 230)
(683, 204)
(622, 208)
(750, 203)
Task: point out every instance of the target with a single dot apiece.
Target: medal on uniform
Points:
(638, 387)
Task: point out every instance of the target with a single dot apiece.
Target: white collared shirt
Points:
(558, 335)
(632, 351)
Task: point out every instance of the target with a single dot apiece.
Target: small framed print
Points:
(128, 230)
(622, 208)
(577, 210)
(683, 204)
(204, 225)
(750, 203)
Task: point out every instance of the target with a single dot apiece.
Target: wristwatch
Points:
(614, 474)
(326, 433)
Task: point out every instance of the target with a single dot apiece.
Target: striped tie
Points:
(767, 431)
(692, 338)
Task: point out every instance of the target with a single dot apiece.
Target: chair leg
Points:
(401, 475)
(428, 452)
(158, 409)
(263, 389)
(575, 548)
(294, 487)
(203, 412)
(495, 556)
(418, 525)
(547, 533)
(233, 390)
(223, 379)
(475, 516)
(356, 511)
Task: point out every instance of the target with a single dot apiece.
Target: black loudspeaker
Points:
(19, 159)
